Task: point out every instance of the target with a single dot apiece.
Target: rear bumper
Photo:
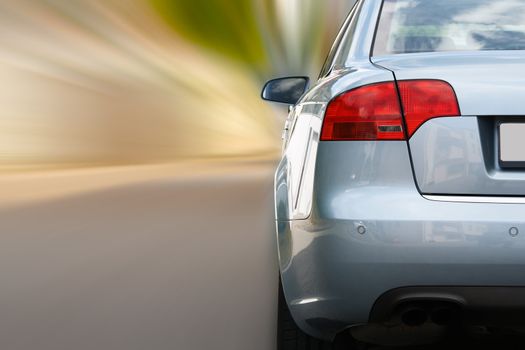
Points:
(370, 231)
(334, 270)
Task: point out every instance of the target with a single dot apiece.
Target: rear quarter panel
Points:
(294, 180)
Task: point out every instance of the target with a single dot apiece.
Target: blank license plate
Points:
(512, 144)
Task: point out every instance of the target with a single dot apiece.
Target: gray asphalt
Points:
(170, 262)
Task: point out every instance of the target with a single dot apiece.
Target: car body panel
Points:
(449, 157)
(368, 17)
(333, 274)
(294, 176)
(459, 156)
(487, 83)
(356, 219)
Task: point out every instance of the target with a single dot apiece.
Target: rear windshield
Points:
(409, 26)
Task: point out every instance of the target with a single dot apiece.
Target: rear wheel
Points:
(291, 337)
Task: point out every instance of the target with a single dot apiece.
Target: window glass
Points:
(410, 26)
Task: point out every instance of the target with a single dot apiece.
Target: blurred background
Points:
(136, 168)
(97, 83)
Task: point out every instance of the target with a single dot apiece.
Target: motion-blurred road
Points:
(147, 257)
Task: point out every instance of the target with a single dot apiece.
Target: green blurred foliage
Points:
(229, 27)
(268, 37)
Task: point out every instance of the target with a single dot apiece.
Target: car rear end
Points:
(416, 209)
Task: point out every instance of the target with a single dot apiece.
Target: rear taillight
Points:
(370, 112)
(373, 112)
(426, 99)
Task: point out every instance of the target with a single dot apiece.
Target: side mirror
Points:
(285, 90)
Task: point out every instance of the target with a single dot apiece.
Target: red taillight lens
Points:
(367, 113)
(373, 112)
(426, 99)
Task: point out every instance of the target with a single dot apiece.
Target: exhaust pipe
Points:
(443, 316)
(414, 317)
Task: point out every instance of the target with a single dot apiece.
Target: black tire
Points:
(291, 337)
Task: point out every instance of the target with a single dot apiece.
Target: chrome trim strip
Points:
(473, 199)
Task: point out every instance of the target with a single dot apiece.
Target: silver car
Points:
(400, 196)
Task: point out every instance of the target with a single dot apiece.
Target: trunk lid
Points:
(462, 155)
